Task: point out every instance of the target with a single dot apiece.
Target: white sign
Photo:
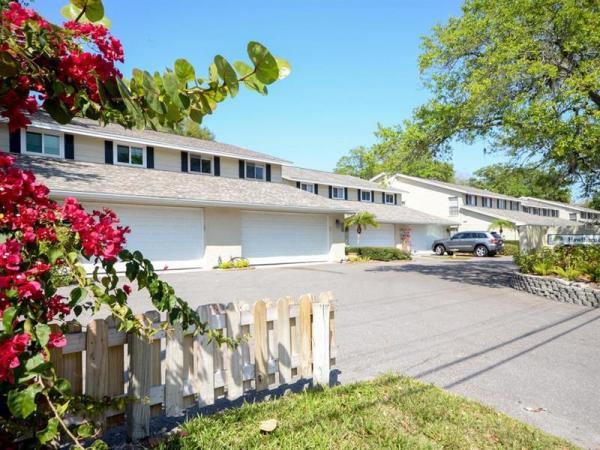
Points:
(573, 239)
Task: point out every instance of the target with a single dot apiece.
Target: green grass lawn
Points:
(389, 412)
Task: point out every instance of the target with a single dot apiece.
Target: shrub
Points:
(234, 263)
(568, 262)
(511, 248)
(380, 253)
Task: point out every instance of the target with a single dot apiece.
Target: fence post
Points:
(233, 365)
(284, 347)
(174, 372)
(204, 362)
(304, 313)
(261, 351)
(96, 361)
(138, 408)
(320, 343)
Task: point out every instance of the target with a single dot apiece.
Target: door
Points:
(167, 236)
(468, 242)
(384, 236)
(423, 236)
(456, 242)
(275, 238)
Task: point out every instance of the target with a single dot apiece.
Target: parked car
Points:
(481, 243)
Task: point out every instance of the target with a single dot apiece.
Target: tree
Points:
(395, 152)
(361, 220)
(192, 129)
(522, 75)
(524, 181)
(594, 202)
(70, 71)
(501, 225)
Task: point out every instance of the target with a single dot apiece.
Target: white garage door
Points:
(272, 238)
(168, 236)
(422, 236)
(373, 237)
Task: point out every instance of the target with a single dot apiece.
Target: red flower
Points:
(57, 340)
(10, 349)
(127, 289)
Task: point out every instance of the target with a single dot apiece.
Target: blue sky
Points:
(354, 65)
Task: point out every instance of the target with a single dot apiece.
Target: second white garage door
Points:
(273, 238)
(167, 236)
(422, 237)
(383, 236)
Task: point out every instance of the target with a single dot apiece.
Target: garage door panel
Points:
(168, 236)
(270, 238)
(422, 236)
(383, 236)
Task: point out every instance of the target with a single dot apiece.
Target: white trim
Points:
(74, 129)
(311, 185)
(385, 201)
(558, 204)
(61, 142)
(202, 157)
(351, 186)
(264, 170)
(342, 188)
(116, 162)
(366, 192)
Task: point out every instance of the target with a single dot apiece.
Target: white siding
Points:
(4, 138)
(89, 149)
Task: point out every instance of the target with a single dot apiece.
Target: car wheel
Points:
(439, 250)
(481, 250)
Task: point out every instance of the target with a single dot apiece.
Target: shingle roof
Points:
(129, 183)
(459, 187)
(321, 177)
(150, 137)
(518, 217)
(396, 214)
(542, 203)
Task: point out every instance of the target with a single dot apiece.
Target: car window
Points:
(468, 235)
(496, 235)
(481, 235)
(458, 236)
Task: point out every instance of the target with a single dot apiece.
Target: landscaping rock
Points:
(556, 289)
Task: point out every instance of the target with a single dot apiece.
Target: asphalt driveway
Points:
(453, 323)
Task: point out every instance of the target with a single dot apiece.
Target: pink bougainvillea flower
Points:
(57, 340)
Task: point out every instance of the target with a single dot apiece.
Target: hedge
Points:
(511, 248)
(379, 253)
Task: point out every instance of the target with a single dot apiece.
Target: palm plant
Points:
(361, 220)
(501, 225)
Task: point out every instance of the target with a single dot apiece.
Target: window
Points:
(501, 204)
(389, 199)
(458, 236)
(338, 193)
(573, 217)
(486, 202)
(515, 206)
(471, 200)
(308, 187)
(365, 196)
(453, 211)
(43, 144)
(201, 164)
(255, 171)
(131, 156)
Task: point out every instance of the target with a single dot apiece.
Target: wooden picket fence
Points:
(285, 341)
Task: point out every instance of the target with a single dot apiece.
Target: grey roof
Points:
(542, 203)
(130, 184)
(518, 217)
(317, 176)
(460, 187)
(396, 214)
(150, 137)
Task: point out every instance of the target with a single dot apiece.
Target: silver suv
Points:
(482, 243)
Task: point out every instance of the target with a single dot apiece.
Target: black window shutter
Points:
(345, 193)
(395, 199)
(15, 142)
(217, 168)
(69, 146)
(372, 196)
(475, 197)
(268, 172)
(298, 184)
(108, 152)
(330, 191)
(184, 161)
(150, 157)
(359, 196)
(241, 167)
(316, 189)
(383, 197)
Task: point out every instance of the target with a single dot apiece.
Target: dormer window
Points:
(486, 202)
(470, 200)
(389, 199)
(366, 196)
(255, 171)
(130, 156)
(308, 187)
(201, 164)
(338, 193)
(38, 143)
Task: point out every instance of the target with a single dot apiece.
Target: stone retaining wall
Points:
(556, 289)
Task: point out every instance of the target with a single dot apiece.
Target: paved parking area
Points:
(452, 323)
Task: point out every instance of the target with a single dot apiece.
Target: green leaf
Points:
(22, 403)
(77, 295)
(8, 318)
(184, 70)
(62, 385)
(50, 432)
(70, 11)
(131, 270)
(8, 66)
(85, 430)
(242, 68)
(227, 74)
(171, 83)
(284, 68)
(267, 71)
(42, 333)
(57, 110)
(34, 363)
(54, 253)
(94, 10)
(254, 85)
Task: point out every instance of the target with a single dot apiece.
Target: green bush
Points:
(511, 248)
(568, 262)
(238, 263)
(379, 253)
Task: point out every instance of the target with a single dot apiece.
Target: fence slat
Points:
(174, 375)
(320, 343)
(116, 371)
(304, 314)
(284, 347)
(328, 297)
(204, 362)
(96, 362)
(261, 354)
(235, 384)
(140, 364)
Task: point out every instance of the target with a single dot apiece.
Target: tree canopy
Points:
(522, 75)
(525, 181)
(395, 152)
